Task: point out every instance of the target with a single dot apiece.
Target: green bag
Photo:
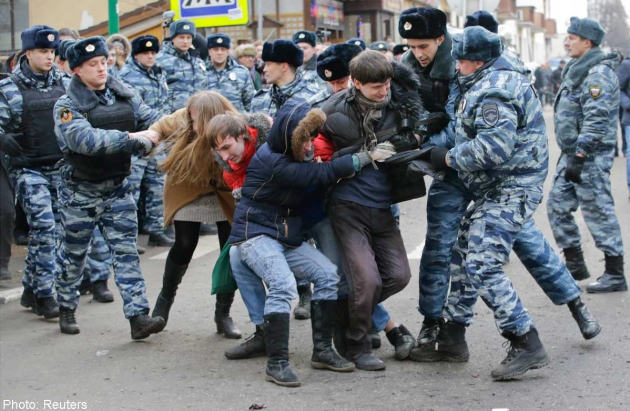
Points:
(222, 277)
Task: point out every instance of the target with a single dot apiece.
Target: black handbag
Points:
(406, 172)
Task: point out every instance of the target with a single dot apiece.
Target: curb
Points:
(13, 294)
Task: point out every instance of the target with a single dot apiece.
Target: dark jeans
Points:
(374, 260)
(7, 213)
(187, 237)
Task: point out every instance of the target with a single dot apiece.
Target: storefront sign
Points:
(326, 13)
(212, 13)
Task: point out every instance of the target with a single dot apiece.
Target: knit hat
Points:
(334, 63)
(476, 44)
(283, 51)
(86, 49)
(247, 50)
(218, 40)
(40, 37)
(379, 46)
(484, 19)
(587, 28)
(304, 36)
(358, 42)
(143, 44)
(182, 27)
(400, 49)
(64, 45)
(422, 23)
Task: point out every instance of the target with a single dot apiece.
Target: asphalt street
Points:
(184, 368)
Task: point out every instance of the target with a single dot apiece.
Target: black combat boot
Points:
(525, 353)
(28, 299)
(276, 330)
(450, 346)
(360, 353)
(341, 326)
(303, 309)
(323, 313)
(575, 263)
(101, 293)
(586, 321)
(613, 278)
(142, 326)
(429, 331)
(402, 340)
(254, 346)
(67, 322)
(173, 274)
(85, 286)
(374, 338)
(160, 240)
(48, 307)
(222, 318)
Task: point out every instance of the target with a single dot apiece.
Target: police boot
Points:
(324, 356)
(374, 338)
(48, 307)
(85, 286)
(450, 346)
(525, 353)
(254, 346)
(276, 330)
(303, 309)
(586, 321)
(67, 322)
(360, 353)
(341, 326)
(142, 326)
(101, 293)
(28, 299)
(160, 240)
(613, 278)
(222, 318)
(173, 274)
(20, 237)
(429, 331)
(402, 340)
(575, 263)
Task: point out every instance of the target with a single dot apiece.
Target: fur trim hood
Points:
(123, 39)
(295, 123)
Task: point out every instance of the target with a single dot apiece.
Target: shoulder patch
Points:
(595, 91)
(66, 115)
(490, 113)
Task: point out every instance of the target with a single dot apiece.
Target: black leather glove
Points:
(574, 169)
(8, 144)
(137, 146)
(438, 158)
(441, 120)
(404, 142)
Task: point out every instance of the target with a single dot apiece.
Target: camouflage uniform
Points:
(586, 117)
(108, 204)
(185, 75)
(232, 82)
(270, 100)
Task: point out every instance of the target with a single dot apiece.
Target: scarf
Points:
(373, 112)
(576, 70)
(235, 178)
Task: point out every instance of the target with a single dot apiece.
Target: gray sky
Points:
(563, 10)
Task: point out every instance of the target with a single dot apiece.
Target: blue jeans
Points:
(250, 286)
(275, 265)
(627, 136)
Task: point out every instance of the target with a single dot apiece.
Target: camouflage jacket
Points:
(185, 75)
(270, 100)
(500, 133)
(586, 110)
(234, 83)
(149, 84)
(309, 72)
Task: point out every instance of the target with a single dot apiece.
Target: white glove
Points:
(383, 151)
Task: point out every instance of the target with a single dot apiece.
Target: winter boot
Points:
(575, 263)
(360, 353)
(303, 309)
(28, 299)
(101, 293)
(450, 346)
(276, 330)
(341, 326)
(429, 331)
(67, 322)
(222, 318)
(613, 278)
(586, 321)
(525, 353)
(402, 340)
(48, 307)
(324, 356)
(142, 326)
(374, 338)
(85, 286)
(160, 240)
(254, 346)
(173, 274)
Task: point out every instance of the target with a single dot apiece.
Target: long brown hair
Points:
(191, 159)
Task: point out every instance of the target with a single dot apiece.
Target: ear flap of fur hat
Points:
(307, 127)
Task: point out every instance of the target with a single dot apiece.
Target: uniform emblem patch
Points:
(186, 27)
(490, 113)
(51, 37)
(462, 105)
(90, 48)
(357, 43)
(219, 41)
(595, 91)
(149, 44)
(381, 46)
(66, 115)
(405, 48)
(232, 76)
(301, 36)
(407, 26)
(328, 73)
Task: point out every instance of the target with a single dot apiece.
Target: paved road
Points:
(183, 368)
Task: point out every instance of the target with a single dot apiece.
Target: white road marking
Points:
(207, 244)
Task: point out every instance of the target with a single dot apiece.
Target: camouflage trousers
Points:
(83, 207)
(37, 190)
(594, 198)
(147, 178)
(99, 262)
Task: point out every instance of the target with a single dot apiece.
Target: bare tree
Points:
(612, 15)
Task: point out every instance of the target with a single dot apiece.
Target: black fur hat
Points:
(484, 19)
(283, 51)
(182, 27)
(40, 37)
(358, 42)
(64, 45)
(304, 36)
(379, 46)
(143, 44)
(334, 63)
(86, 49)
(219, 40)
(422, 23)
(400, 49)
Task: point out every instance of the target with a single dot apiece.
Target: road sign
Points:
(212, 13)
